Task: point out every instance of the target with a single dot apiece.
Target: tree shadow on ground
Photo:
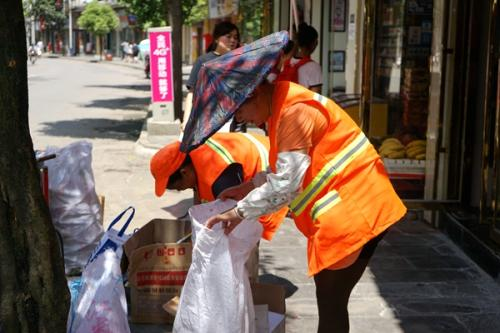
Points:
(98, 128)
(290, 288)
(126, 103)
(140, 87)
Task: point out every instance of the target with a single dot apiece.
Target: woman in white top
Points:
(301, 68)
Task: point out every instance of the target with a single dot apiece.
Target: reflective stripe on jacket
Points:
(221, 150)
(347, 198)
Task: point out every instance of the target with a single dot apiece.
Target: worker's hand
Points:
(229, 219)
(237, 192)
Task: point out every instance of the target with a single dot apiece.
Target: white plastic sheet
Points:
(73, 202)
(216, 296)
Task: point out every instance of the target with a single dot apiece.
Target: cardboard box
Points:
(273, 297)
(269, 302)
(157, 268)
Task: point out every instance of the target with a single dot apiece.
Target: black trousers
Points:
(334, 287)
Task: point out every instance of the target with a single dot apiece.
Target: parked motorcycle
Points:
(32, 54)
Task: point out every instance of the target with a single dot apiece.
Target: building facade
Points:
(427, 72)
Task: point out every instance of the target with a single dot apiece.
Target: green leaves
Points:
(150, 13)
(46, 9)
(153, 13)
(194, 11)
(98, 18)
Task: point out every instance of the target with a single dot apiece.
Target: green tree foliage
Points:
(98, 18)
(46, 9)
(149, 13)
(153, 13)
(194, 11)
(251, 16)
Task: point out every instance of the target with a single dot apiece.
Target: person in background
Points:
(300, 68)
(334, 182)
(135, 52)
(39, 47)
(129, 54)
(226, 37)
(233, 158)
(124, 48)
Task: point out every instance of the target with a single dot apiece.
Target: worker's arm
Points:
(279, 190)
(295, 134)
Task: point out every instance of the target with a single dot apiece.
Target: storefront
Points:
(434, 67)
(421, 77)
(395, 92)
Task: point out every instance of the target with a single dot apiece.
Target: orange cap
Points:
(164, 163)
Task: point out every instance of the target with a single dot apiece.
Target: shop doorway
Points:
(493, 107)
(467, 117)
(395, 89)
(473, 174)
(495, 230)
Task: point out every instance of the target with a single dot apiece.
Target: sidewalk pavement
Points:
(418, 280)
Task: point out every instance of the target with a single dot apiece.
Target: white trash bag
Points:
(100, 305)
(73, 202)
(216, 296)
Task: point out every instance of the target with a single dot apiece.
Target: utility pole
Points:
(70, 28)
(32, 25)
(33, 39)
(174, 9)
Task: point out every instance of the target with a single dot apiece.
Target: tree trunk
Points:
(174, 8)
(101, 48)
(33, 292)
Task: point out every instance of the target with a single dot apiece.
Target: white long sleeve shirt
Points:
(276, 190)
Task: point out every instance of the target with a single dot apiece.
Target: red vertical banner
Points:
(160, 41)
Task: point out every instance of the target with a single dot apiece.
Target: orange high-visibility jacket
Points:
(221, 150)
(347, 198)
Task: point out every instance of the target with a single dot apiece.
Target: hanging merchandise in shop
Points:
(401, 82)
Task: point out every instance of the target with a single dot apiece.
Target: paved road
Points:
(105, 104)
(418, 280)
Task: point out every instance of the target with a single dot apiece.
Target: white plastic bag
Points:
(100, 306)
(114, 239)
(216, 296)
(73, 202)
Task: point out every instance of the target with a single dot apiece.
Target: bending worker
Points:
(326, 170)
(225, 160)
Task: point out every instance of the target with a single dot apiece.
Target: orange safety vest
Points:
(347, 198)
(222, 149)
